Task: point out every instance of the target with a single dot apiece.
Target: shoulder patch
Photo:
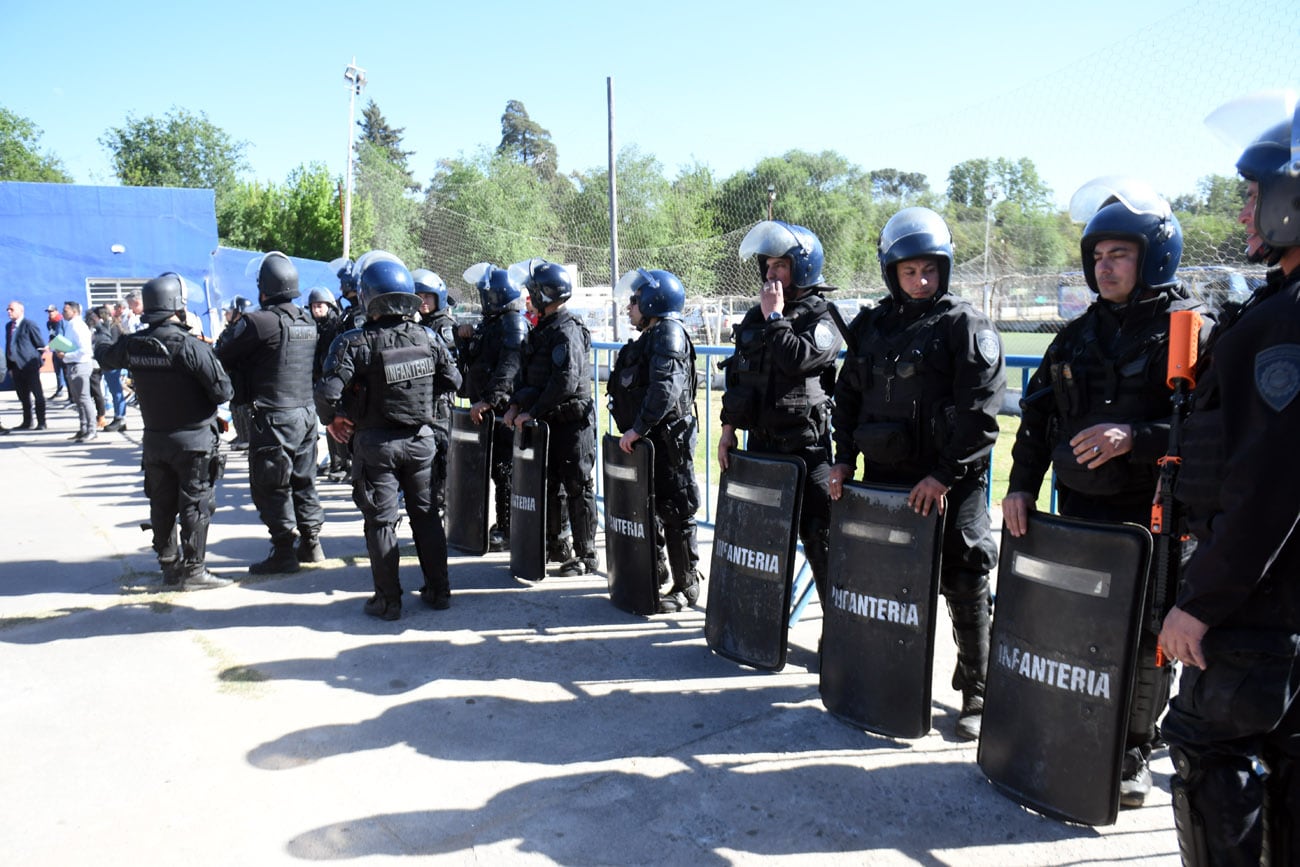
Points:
(1277, 375)
(986, 341)
(824, 336)
(560, 354)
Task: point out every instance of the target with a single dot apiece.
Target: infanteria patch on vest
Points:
(522, 503)
(823, 336)
(1277, 375)
(986, 341)
(303, 333)
(875, 608)
(1052, 672)
(405, 371)
(760, 561)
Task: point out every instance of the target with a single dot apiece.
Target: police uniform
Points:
(387, 377)
(328, 328)
(779, 383)
(1108, 365)
(272, 349)
(489, 361)
(180, 384)
(652, 392)
(555, 387)
(918, 396)
(442, 324)
(1240, 485)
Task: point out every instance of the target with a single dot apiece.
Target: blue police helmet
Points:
(547, 283)
(914, 233)
(429, 283)
(662, 294)
(773, 238)
(385, 288)
(498, 290)
(1127, 209)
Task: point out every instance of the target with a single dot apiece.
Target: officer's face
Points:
(634, 314)
(918, 278)
(319, 310)
(1116, 265)
(779, 269)
(428, 303)
(1247, 218)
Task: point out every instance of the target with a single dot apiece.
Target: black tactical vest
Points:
(630, 378)
(399, 378)
(169, 397)
(285, 381)
(480, 355)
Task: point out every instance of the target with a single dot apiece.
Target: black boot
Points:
(682, 560)
(281, 559)
(171, 572)
(971, 619)
(309, 549)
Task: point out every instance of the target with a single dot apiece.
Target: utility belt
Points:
(577, 409)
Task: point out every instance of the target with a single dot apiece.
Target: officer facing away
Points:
(378, 391)
(435, 314)
(780, 379)
(652, 395)
(179, 384)
(1236, 624)
(1098, 410)
(325, 310)
(488, 354)
(240, 409)
(555, 387)
(272, 350)
(918, 399)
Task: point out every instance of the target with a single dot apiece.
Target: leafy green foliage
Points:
(20, 155)
(178, 150)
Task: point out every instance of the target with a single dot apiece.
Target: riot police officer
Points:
(488, 354)
(179, 384)
(272, 349)
(240, 407)
(379, 388)
(325, 310)
(652, 395)
(1236, 624)
(1098, 406)
(435, 314)
(555, 387)
(780, 379)
(352, 313)
(918, 400)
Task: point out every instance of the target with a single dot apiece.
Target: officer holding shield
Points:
(1097, 409)
(780, 379)
(918, 400)
(652, 395)
(1236, 623)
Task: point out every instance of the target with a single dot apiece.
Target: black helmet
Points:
(1126, 209)
(914, 233)
(385, 288)
(321, 295)
(277, 278)
(163, 294)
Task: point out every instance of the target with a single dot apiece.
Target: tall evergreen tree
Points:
(526, 141)
(387, 140)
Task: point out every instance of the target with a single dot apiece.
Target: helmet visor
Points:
(1242, 121)
(522, 272)
(477, 275)
(630, 282)
(768, 238)
(1136, 195)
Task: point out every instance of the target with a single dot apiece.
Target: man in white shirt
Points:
(78, 364)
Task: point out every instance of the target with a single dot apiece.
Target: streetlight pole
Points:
(771, 200)
(355, 77)
(988, 231)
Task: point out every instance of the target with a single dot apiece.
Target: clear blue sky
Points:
(1083, 89)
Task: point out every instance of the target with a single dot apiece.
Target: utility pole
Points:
(355, 77)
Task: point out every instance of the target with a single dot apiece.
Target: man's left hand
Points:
(929, 493)
(626, 441)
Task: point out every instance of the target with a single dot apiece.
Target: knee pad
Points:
(1189, 823)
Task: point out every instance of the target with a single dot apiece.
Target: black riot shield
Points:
(630, 537)
(878, 629)
(528, 503)
(469, 469)
(1065, 638)
(753, 558)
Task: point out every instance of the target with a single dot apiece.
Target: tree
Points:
(975, 183)
(390, 223)
(178, 150)
(526, 141)
(387, 140)
(897, 185)
(300, 217)
(20, 157)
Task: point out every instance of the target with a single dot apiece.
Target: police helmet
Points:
(914, 233)
(385, 288)
(498, 289)
(429, 283)
(163, 294)
(240, 304)
(773, 238)
(1126, 209)
(321, 295)
(662, 295)
(547, 283)
(277, 277)
(1268, 125)
(342, 268)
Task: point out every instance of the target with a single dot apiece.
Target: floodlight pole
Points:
(988, 231)
(771, 200)
(613, 211)
(355, 77)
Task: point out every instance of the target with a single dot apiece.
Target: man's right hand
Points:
(726, 443)
(476, 411)
(465, 332)
(1015, 512)
(509, 418)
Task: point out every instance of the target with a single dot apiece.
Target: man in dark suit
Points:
(24, 343)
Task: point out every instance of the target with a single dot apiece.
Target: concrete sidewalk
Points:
(272, 722)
